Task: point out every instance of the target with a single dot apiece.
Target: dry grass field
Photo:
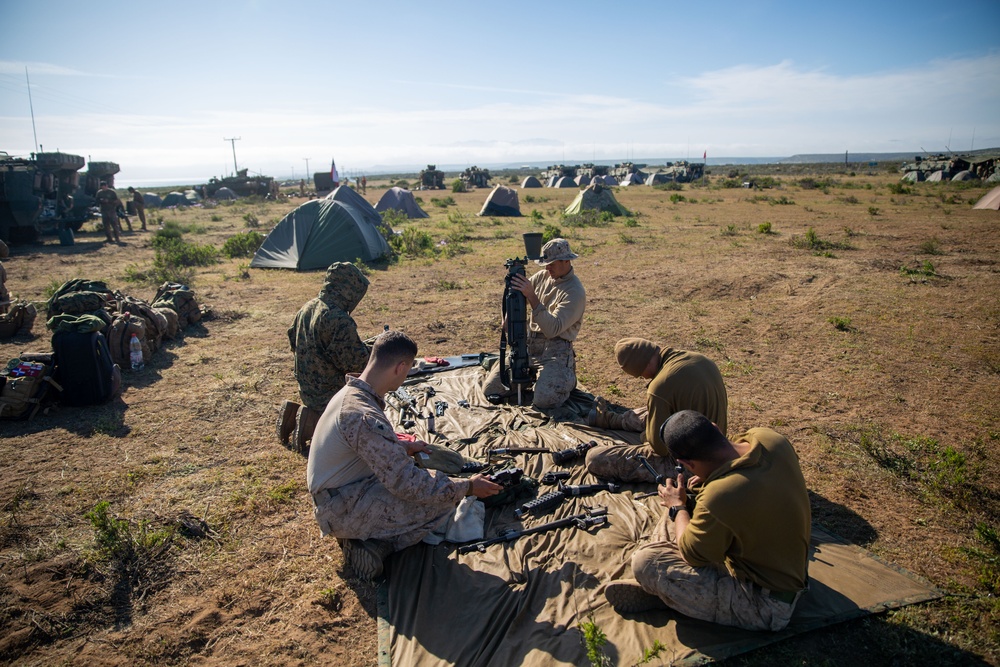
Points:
(860, 319)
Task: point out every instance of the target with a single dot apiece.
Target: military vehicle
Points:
(44, 192)
(590, 170)
(476, 177)
(557, 171)
(241, 184)
(681, 171)
(431, 178)
(623, 169)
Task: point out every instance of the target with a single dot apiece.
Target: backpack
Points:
(84, 367)
(120, 336)
(95, 295)
(18, 321)
(179, 298)
(25, 385)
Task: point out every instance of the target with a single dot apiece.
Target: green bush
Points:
(458, 185)
(764, 228)
(551, 232)
(899, 189)
(413, 242)
(676, 199)
(244, 244)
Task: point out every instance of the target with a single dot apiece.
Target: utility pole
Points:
(233, 141)
(307, 166)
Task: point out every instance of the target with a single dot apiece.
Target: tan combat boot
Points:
(305, 424)
(598, 415)
(286, 421)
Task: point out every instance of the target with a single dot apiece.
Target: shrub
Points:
(675, 198)
(402, 184)
(551, 232)
(729, 230)
(899, 189)
(931, 247)
(873, 210)
(764, 228)
(251, 220)
(536, 215)
(458, 185)
(412, 242)
(244, 244)
(841, 323)
(392, 218)
(812, 241)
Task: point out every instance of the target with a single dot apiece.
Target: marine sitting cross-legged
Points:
(367, 490)
(739, 554)
(679, 380)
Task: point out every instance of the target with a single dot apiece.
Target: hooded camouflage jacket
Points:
(325, 338)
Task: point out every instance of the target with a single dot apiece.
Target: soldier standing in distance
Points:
(108, 200)
(140, 206)
(324, 338)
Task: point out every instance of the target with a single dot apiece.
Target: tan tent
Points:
(936, 177)
(965, 175)
(991, 200)
(502, 201)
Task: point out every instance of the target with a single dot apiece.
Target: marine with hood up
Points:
(325, 338)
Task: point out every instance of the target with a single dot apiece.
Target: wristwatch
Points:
(674, 510)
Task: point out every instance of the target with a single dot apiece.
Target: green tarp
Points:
(317, 234)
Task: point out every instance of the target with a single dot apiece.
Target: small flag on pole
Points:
(704, 156)
(333, 173)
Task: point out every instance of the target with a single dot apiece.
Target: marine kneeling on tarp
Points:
(368, 491)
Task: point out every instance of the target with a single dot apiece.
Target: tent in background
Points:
(531, 182)
(965, 175)
(565, 182)
(400, 200)
(224, 193)
(502, 201)
(317, 234)
(607, 179)
(348, 195)
(175, 199)
(990, 200)
(192, 196)
(152, 200)
(658, 179)
(582, 179)
(936, 177)
(635, 178)
(596, 197)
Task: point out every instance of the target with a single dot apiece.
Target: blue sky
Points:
(157, 86)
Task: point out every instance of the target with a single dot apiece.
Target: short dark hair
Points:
(392, 347)
(690, 435)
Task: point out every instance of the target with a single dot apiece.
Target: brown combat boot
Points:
(628, 597)
(286, 421)
(366, 558)
(598, 415)
(305, 424)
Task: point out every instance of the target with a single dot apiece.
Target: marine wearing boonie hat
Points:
(554, 251)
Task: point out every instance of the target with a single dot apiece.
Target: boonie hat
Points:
(554, 251)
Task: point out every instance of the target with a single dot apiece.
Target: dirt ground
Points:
(865, 326)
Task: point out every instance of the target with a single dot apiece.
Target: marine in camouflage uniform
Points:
(556, 301)
(367, 490)
(326, 344)
(679, 380)
(4, 293)
(738, 556)
(108, 200)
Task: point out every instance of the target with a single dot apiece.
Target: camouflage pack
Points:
(55, 305)
(18, 321)
(179, 298)
(119, 335)
(25, 385)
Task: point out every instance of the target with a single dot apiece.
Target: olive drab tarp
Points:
(348, 195)
(597, 198)
(400, 200)
(991, 200)
(317, 234)
(502, 201)
(530, 182)
(522, 602)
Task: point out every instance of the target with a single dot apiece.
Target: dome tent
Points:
(400, 200)
(224, 193)
(565, 182)
(152, 200)
(502, 201)
(597, 198)
(990, 200)
(348, 195)
(530, 182)
(317, 234)
(175, 199)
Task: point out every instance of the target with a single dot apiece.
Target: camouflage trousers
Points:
(630, 420)
(112, 228)
(367, 510)
(707, 593)
(618, 463)
(555, 362)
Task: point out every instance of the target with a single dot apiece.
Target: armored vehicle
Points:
(432, 178)
(623, 169)
(557, 171)
(242, 185)
(681, 171)
(41, 193)
(476, 177)
(591, 170)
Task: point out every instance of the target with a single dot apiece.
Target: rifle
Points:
(508, 451)
(594, 516)
(573, 453)
(542, 504)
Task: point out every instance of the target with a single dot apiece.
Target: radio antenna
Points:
(32, 107)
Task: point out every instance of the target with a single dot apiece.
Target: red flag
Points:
(333, 173)
(704, 156)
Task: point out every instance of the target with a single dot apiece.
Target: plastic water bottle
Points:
(135, 353)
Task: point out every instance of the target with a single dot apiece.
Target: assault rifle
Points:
(542, 504)
(573, 453)
(507, 477)
(508, 451)
(594, 516)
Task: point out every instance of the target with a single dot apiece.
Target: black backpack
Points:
(83, 367)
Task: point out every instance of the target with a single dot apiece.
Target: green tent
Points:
(317, 234)
(596, 197)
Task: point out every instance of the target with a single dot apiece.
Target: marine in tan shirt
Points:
(679, 380)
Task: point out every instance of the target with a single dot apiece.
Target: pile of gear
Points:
(93, 329)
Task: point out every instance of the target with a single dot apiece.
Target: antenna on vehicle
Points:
(32, 107)
(233, 142)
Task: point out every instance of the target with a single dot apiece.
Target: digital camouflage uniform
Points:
(743, 558)
(684, 381)
(363, 483)
(325, 338)
(554, 325)
(108, 200)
